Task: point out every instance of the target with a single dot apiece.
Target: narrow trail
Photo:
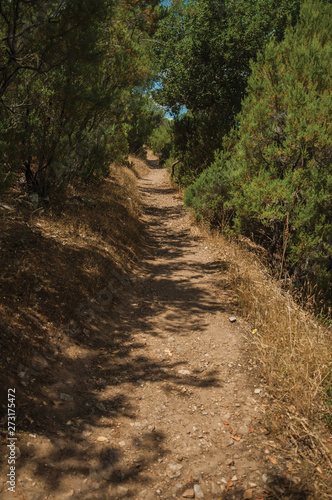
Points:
(194, 406)
(166, 403)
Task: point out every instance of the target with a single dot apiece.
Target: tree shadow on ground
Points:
(64, 403)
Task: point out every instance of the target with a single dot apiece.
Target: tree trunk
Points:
(172, 167)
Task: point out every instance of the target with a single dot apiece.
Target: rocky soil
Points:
(162, 400)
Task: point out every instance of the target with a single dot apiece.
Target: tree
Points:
(67, 75)
(145, 118)
(278, 160)
(204, 50)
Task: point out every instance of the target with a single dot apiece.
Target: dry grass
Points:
(138, 166)
(56, 257)
(293, 349)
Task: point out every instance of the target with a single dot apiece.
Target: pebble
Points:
(184, 372)
(83, 355)
(66, 397)
(39, 363)
(121, 491)
(215, 489)
(122, 444)
(101, 439)
(189, 493)
(232, 319)
(174, 470)
(198, 491)
(100, 406)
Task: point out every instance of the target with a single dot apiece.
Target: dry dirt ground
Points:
(162, 401)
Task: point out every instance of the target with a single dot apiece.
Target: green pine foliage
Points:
(69, 74)
(145, 119)
(208, 195)
(161, 140)
(203, 53)
(278, 160)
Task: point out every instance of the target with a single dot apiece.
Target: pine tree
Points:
(278, 163)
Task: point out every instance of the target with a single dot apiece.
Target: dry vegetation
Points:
(291, 348)
(56, 256)
(294, 349)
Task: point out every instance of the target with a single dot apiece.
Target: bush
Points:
(208, 194)
(279, 157)
(161, 140)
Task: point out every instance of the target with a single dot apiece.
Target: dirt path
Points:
(163, 402)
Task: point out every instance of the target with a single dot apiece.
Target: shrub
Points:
(208, 194)
(279, 157)
(161, 140)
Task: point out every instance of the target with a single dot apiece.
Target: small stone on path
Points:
(198, 491)
(121, 491)
(66, 397)
(101, 439)
(189, 493)
(174, 470)
(232, 319)
(70, 493)
(215, 489)
(39, 363)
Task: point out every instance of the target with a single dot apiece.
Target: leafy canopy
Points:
(69, 70)
(203, 54)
